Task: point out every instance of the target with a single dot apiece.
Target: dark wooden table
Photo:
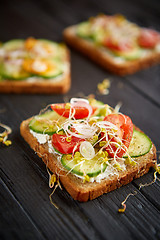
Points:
(25, 209)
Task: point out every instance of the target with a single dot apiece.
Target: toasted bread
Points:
(89, 190)
(36, 83)
(103, 58)
(43, 86)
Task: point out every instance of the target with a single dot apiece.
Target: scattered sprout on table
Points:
(4, 135)
(103, 87)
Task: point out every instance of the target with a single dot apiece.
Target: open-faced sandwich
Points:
(34, 66)
(89, 146)
(115, 43)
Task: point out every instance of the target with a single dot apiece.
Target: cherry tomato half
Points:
(148, 38)
(125, 132)
(80, 112)
(120, 46)
(64, 144)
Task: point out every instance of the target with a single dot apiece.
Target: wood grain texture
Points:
(15, 219)
(24, 174)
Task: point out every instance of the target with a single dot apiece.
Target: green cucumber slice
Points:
(99, 36)
(140, 144)
(53, 73)
(57, 50)
(11, 71)
(53, 46)
(102, 109)
(95, 103)
(83, 30)
(44, 123)
(92, 167)
(13, 45)
(131, 55)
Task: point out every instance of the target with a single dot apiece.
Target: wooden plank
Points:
(136, 223)
(82, 10)
(147, 83)
(29, 21)
(151, 192)
(143, 12)
(15, 223)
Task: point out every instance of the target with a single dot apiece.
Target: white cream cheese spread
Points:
(41, 138)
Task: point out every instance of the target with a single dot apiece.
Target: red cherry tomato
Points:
(64, 144)
(80, 112)
(120, 46)
(125, 132)
(148, 38)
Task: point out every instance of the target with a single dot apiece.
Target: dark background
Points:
(25, 209)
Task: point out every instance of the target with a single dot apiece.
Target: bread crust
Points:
(87, 191)
(98, 55)
(45, 86)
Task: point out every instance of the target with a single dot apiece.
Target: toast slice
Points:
(16, 54)
(108, 59)
(84, 191)
(37, 86)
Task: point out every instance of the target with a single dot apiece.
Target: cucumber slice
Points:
(83, 30)
(52, 74)
(13, 45)
(140, 144)
(91, 167)
(44, 123)
(52, 46)
(52, 69)
(56, 71)
(56, 50)
(99, 36)
(102, 109)
(131, 55)
(95, 103)
(11, 71)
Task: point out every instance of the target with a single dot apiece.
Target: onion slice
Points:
(80, 102)
(107, 125)
(87, 150)
(82, 129)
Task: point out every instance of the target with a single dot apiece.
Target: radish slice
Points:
(87, 150)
